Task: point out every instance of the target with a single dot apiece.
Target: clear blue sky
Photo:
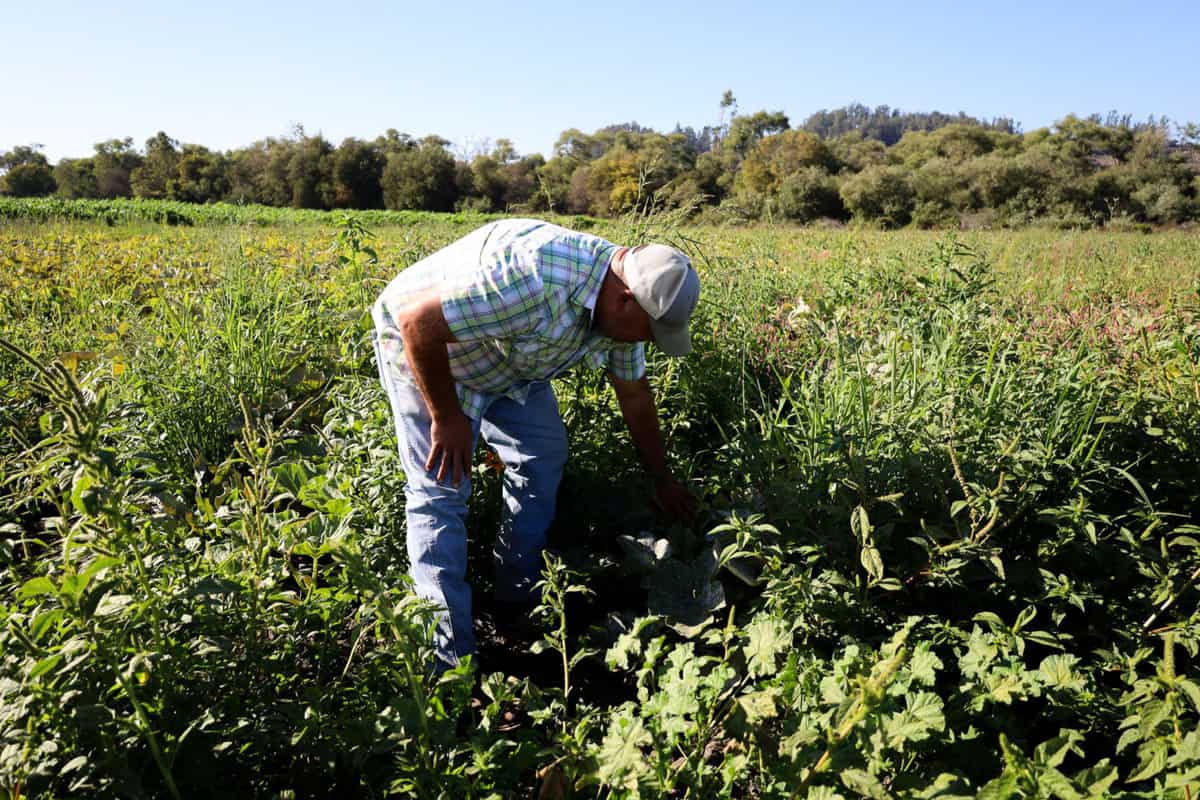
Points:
(224, 74)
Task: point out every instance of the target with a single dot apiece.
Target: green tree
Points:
(888, 125)
(561, 181)
(114, 163)
(745, 132)
(879, 194)
(856, 152)
(75, 178)
(632, 171)
(310, 173)
(24, 172)
(808, 194)
(357, 172)
(274, 186)
(522, 188)
(393, 141)
(554, 183)
(776, 157)
(954, 143)
(489, 182)
(246, 168)
(151, 178)
(942, 190)
(714, 174)
(420, 178)
(201, 176)
(1017, 186)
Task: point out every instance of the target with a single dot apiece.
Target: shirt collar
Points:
(585, 293)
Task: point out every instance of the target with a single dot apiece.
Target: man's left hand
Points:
(673, 498)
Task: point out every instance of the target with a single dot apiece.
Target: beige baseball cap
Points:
(667, 287)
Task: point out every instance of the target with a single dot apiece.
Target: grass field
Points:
(948, 542)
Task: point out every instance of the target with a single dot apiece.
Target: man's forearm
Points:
(430, 364)
(641, 417)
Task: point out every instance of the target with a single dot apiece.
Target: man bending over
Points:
(467, 341)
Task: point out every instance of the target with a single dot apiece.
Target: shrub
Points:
(1162, 202)
(810, 194)
(28, 180)
(879, 194)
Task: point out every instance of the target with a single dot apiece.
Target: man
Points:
(467, 341)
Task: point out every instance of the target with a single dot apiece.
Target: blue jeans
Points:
(532, 442)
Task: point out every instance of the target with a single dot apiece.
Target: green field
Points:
(949, 537)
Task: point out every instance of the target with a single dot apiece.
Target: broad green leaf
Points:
(980, 654)
(627, 646)
(678, 699)
(1153, 761)
(94, 568)
(37, 587)
(619, 758)
(759, 705)
(1178, 780)
(1188, 750)
(113, 604)
(1128, 737)
(1153, 714)
(45, 665)
(44, 621)
(1006, 787)
(860, 524)
(1004, 687)
(863, 784)
(915, 723)
(1058, 671)
(1059, 785)
(927, 707)
(84, 481)
(74, 764)
(872, 562)
(1096, 779)
(1053, 752)
(990, 619)
(1045, 639)
(767, 638)
(1026, 616)
(824, 793)
(291, 477)
(923, 664)
(1191, 690)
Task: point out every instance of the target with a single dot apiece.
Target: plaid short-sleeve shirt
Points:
(518, 296)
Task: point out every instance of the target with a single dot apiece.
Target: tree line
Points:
(878, 165)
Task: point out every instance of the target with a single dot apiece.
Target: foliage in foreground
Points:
(949, 550)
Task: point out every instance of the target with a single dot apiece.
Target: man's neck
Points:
(612, 283)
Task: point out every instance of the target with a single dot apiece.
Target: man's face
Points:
(624, 319)
(630, 323)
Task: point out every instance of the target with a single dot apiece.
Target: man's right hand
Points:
(450, 446)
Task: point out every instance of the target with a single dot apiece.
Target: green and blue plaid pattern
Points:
(518, 296)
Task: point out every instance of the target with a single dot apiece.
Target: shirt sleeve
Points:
(500, 300)
(628, 361)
